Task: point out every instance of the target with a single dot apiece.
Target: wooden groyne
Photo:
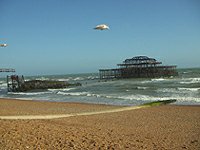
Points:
(17, 83)
(139, 67)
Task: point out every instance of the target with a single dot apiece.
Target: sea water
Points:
(185, 88)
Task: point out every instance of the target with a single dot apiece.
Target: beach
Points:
(158, 127)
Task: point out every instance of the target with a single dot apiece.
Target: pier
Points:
(7, 70)
(139, 67)
(17, 83)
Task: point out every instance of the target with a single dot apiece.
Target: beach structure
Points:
(17, 83)
(139, 67)
(7, 70)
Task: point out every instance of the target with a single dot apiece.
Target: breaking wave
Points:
(179, 90)
(189, 89)
(158, 80)
(141, 88)
(190, 80)
(135, 97)
(73, 93)
(154, 98)
(57, 90)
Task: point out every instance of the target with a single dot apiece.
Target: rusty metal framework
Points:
(139, 67)
(14, 83)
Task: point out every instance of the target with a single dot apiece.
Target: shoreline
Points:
(41, 109)
(110, 109)
(157, 127)
(35, 107)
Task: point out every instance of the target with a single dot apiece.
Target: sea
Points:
(185, 88)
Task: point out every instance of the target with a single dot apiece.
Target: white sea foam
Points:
(93, 95)
(157, 80)
(27, 99)
(73, 93)
(3, 85)
(1, 82)
(57, 90)
(190, 80)
(153, 98)
(80, 94)
(42, 78)
(178, 90)
(137, 97)
(27, 93)
(186, 72)
(63, 79)
(92, 77)
(19, 98)
(78, 78)
(141, 88)
(189, 89)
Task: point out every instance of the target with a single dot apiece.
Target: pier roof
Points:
(139, 60)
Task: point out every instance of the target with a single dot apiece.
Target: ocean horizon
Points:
(185, 89)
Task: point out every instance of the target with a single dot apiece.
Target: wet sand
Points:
(161, 127)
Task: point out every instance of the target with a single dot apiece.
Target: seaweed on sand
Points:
(158, 103)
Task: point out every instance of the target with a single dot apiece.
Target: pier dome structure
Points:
(139, 67)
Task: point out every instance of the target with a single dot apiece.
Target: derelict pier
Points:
(139, 67)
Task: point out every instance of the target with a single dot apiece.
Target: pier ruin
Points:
(7, 70)
(139, 67)
(17, 83)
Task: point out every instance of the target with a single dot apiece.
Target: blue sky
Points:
(57, 36)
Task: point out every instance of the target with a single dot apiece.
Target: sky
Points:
(47, 37)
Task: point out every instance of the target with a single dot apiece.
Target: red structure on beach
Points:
(139, 67)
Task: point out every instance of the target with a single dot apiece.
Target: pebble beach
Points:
(158, 127)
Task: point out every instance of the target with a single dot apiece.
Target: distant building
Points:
(139, 67)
